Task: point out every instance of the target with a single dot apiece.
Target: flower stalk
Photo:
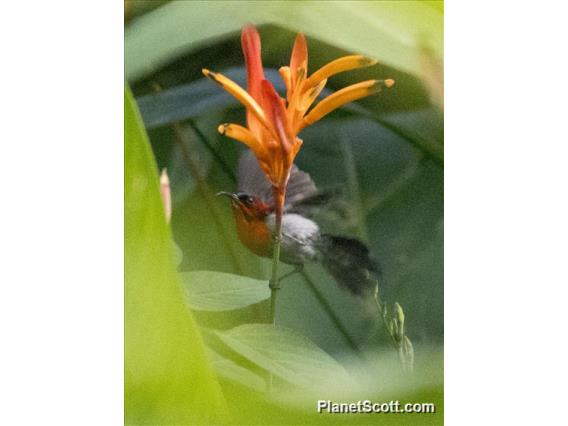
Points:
(274, 282)
(394, 325)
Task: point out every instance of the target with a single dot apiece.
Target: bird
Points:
(346, 259)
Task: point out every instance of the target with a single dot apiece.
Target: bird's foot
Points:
(297, 269)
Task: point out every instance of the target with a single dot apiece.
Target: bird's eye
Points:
(246, 199)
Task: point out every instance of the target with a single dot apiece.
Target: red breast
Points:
(253, 233)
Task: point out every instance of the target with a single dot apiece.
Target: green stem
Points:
(206, 193)
(382, 314)
(353, 185)
(212, 150)
(395, 329)
(274, 280)
(329, 311)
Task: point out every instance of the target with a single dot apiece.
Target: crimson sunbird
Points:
(346, 259)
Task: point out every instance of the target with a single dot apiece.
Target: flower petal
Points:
(241, 134)
(250, 42)
(240, 94)
(342, 97)
(345, 63)
(285, 74)
(293, 111)
(276, 111)
(299, 56)
(310, 96)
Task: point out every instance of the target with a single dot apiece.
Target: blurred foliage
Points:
(385, 154)
(161, 338)
(158, 37)
(217, 291)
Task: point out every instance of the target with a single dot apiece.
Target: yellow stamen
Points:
(345, 63)
(342, 97)
(285, 74)
(239, 93)
(241, 134)
(296, 93)
(311, 95)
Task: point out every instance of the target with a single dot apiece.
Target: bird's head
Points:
(247, 207)
(250, 212)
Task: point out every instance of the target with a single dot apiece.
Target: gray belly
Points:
(299, 239)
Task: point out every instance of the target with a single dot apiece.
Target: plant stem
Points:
(384, 319)
(395, 329)
(274, 280)
(212, 150)
(202, 185)
(353, 184)
(206, 193)
(329, 311)
(274, 284)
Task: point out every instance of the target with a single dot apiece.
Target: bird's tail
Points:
(348, 261)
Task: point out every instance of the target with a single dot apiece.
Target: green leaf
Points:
(219, 291)
(230, 370)
(287, 354)
(177, 254)
(390, 31)
(167, 377)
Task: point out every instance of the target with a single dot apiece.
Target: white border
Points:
(506, 212)
(61, 306)
(61, 236)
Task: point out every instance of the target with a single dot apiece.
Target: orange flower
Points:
(274, 123)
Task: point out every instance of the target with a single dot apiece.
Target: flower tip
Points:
(365, 61)
(249, 28)
(389, 82)
(377, 85)
(213, 76)
(164, 179)
(166, 194)
(249, 36)
(222, 128)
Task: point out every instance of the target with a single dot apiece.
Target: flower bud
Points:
(166, 194)
(399, 316)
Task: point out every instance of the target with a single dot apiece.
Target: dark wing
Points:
(251, 180)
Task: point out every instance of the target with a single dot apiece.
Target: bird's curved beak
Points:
(232, 196)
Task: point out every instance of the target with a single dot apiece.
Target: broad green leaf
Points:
(167, 377)
(230, 370)
(219, 291)
(177, 254)
(285, 353)
(390, 31)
